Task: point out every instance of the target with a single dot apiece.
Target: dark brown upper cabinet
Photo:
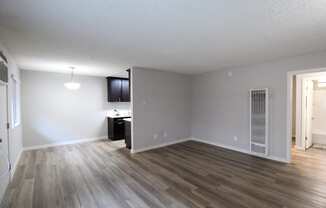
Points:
(125, 94)
(118, 89)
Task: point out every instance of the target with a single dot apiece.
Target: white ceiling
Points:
(101, 37)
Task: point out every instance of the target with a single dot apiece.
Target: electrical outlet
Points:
(155, 136)
(235, 138)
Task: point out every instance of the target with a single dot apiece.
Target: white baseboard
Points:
(299, 148)
(64, 143)
(270, 157)
(14, 166)
(159, 145)
(319, 138)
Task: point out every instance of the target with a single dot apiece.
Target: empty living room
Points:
(162, 104)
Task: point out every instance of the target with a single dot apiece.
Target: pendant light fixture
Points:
(71, 85)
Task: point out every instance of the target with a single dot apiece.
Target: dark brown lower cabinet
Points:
(128, 134)
(116, 128)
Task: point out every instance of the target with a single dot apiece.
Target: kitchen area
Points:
(119, 119)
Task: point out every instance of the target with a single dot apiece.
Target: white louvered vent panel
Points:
(259, 121)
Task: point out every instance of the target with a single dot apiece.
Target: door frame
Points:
(300, 141)
(8, 124)
(289, 102)
(306, 121)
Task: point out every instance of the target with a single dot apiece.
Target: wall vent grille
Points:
(259, 121)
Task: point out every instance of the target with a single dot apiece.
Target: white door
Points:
(4, 164)
(308, 96)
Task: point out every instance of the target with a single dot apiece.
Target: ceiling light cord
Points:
(71, 85)
(72, 73)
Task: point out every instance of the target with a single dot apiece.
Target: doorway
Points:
(309, 111)
(4, 143)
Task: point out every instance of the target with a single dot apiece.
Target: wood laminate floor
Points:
(189, 174)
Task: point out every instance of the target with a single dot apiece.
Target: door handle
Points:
(0, 140)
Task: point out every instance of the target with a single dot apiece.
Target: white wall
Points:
(319, 114)
(161, 104)
(15, 133)
(52, 114)
(220, 103)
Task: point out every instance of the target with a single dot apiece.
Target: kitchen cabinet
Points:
(125, 93)
(116, 128)
(118, 89)
(128, 133)
(114, 89)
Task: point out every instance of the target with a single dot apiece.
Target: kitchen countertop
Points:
(118, 115)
